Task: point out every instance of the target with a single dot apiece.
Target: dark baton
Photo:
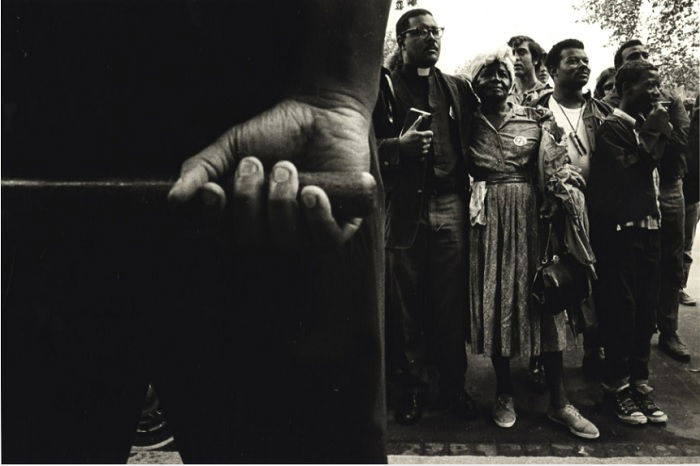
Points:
(352, 194)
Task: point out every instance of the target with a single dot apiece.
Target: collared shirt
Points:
(509, 151)
(649, 222)
(528, 98)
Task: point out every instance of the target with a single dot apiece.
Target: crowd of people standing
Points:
(500, 173)
(261, 323)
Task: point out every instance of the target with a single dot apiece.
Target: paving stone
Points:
(537, 449)
(615, 450)
(510, 449)
(640, 449)
(465, 449)
(690, 450)
(437, 449)
(668, 450)
(586, 451)
(488, 449)
(559, 449)
(404, 449)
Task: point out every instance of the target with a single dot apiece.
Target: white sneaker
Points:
(504, 411)
(578, 425)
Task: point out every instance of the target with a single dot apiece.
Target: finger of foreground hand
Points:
(321, 224)
(248, 202)
(282, 206)
(212, 198)
(196, 171)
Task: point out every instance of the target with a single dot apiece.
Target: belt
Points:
(505, 178)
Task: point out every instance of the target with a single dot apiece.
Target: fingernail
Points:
(209, 198)
(247, 168)
(281, 175)
(309, 200)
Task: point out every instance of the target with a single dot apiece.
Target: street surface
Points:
(441, 438)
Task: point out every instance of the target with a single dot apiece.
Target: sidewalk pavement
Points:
(677, 391)
(441, 438)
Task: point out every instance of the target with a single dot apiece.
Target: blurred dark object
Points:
(152, 432)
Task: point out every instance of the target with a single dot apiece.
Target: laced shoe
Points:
(570, 417)
(685, 299)
(674, 347)
(652, 412)
(626, 410)
(504, 411)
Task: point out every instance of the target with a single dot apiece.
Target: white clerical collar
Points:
(423, 71)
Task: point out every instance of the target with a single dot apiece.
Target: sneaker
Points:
(570, 417)
(504, 411)
(652, 412)
(685, 299)
(674, 347)
(626, 409)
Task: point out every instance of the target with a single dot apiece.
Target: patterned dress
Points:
(504, 247)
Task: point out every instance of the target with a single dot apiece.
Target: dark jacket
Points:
(405, 179)
(621, 182)
(673, 164)
(594, 113)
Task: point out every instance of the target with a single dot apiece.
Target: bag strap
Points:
(545, 256)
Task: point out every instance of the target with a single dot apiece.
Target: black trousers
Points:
(428, 283)
(628, 281)
(260, 357)
(672, 207)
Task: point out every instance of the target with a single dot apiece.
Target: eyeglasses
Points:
(422, 33)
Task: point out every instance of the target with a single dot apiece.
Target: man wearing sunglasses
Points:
(672, 168)
(426, 184)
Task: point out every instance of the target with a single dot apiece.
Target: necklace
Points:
(573, 135)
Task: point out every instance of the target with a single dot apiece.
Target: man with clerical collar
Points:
(672, 169)
(426, 185)
(580, 116)
(528, 57)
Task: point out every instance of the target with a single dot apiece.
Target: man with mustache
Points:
(426, 184)
(672, 168)
(528, 58)
(580, 116)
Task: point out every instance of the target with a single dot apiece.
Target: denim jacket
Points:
(594, 113)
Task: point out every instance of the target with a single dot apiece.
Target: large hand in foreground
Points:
(329, 135)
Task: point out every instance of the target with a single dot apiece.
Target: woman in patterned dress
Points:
(504, 249)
